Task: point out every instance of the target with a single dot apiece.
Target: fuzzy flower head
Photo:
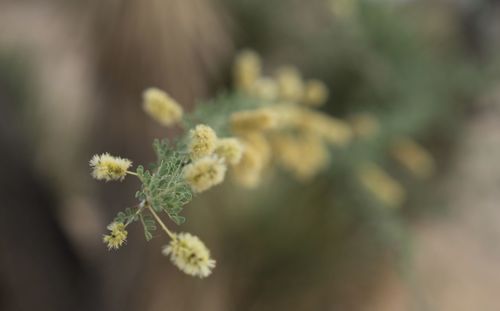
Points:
(247, 69)
(117, 236)
(246, 121)
(107, 167)
(202, 143)
(304, 156)
(190, 255)
(205, 173)
(385, 188)
(315, 93)
(229, 149)
(248, 173)
(290, 84)
(334, 131)
(265, 89)
(161, 107)
(413, 157)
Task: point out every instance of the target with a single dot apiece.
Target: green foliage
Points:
(128, 216)
(165, 189)
(149, 225)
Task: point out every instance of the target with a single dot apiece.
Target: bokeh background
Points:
(71, 77)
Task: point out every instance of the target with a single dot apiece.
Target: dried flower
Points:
(315, 93)
(414, 157)
(117, 236)
(229, 149)
(253, 120)
(202, 143)
(290, 85)
(190, 255)
(107, 167)
(161, 107)
(246, 70)
(205, 173)
(381, 185)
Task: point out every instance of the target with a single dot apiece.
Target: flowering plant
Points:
(267, 121)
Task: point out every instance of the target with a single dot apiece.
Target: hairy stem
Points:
(158, 219)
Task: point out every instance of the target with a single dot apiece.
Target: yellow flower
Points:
(414, 157)
(252, 120)
(364, 125)
(246, 70)
(288, 115)
(304, 155)
(161, 107)
(248, 172)
(202, 143)
(260, 143)
(381, 185)
(229, 149)
(315, 93)
(332, 130)
(265, 89)
(117, 236)
(290, 85)
(107, 167)
(190, 255)
(205, 173)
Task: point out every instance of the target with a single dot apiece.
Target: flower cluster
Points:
(276, 124)
(284, 130)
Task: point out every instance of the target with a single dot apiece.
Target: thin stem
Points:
(132, 173)
(158, 219)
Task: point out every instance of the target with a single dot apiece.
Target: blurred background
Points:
(71, 77)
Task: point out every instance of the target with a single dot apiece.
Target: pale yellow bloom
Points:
(304, 155)
(315, 93)
(247, 69)
(259, 142)
(161, 107)
(287, 115)
(107, 167)
(332, 130)
(381, 185)
(413, 157)
(229, 149)
(364, 125)
(190, 255)
(205, 173)
(248, 172)
(265, 89)
(202, 141)
(117, 237)
(252, 120)
(290, 84)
